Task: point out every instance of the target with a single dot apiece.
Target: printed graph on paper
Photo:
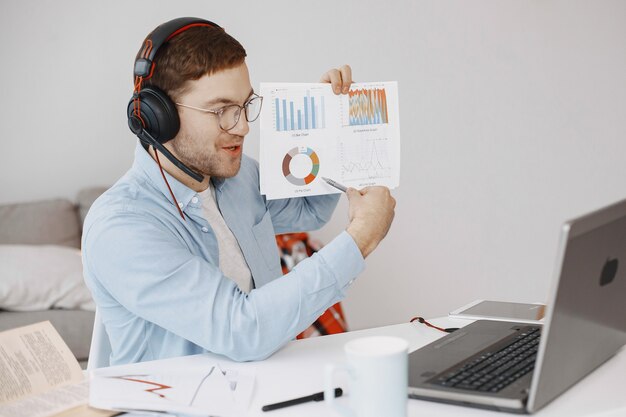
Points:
(300, 111)
(364, 159)
(367, 106)
(309, 132)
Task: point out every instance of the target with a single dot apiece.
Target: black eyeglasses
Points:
(228, 116)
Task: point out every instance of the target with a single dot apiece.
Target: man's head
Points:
(204, 67)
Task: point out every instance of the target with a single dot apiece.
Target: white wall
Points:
(513, 119)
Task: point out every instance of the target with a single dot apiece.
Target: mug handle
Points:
(329, 390)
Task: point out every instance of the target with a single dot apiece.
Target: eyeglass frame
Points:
(220, 111)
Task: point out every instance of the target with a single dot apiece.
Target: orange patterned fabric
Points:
(294, 247)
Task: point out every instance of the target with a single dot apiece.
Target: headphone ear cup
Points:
(158, 113)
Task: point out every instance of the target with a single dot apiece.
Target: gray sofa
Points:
(50, 222)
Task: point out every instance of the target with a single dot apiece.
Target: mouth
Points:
(233, 150)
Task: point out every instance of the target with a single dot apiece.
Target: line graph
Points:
(156, 386)
(364, 159)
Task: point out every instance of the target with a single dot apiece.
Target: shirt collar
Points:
(149, 168)
(218, 183)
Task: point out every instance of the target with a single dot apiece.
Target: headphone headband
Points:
(144, 61)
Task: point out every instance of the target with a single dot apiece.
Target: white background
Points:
(513, 118)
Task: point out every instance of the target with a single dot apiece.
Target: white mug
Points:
(378, 370)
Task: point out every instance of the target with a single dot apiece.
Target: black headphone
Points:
(152, 115)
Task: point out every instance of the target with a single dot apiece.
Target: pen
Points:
(318, 396)
(336, 184)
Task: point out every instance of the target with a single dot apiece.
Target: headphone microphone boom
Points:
(144, 136)
(152, 115)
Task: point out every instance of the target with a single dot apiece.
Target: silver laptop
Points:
(518, 367)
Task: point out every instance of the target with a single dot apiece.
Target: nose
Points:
(242, 127)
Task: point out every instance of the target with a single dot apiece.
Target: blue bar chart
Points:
(304, 112)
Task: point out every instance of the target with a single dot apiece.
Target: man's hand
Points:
(371, 213)
(339, 78)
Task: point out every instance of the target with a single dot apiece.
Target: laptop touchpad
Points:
(468, 342)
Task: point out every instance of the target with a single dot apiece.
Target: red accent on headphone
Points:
(147, 48)
(184, 28)
(151, 72)
(136, 101)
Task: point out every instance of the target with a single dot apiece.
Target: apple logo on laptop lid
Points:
(609, 271)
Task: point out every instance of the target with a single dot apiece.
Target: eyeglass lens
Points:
(230, 114)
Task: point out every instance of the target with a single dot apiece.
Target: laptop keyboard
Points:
(492, 371)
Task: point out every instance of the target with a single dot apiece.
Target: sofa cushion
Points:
(85, 199)
(37, 277)
(52, 222)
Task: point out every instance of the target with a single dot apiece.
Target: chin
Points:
(228, 171)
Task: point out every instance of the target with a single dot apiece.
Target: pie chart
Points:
(293, 164)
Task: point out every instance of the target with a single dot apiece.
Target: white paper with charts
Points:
(199, 387)
(308, 132)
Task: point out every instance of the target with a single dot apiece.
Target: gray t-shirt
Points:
(232, 262)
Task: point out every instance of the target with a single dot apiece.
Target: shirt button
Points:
(194, 200)
(180, 205)
(205, 229)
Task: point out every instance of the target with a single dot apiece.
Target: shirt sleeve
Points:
(302, 214)
(152, 273)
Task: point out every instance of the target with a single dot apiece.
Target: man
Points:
(179, 266)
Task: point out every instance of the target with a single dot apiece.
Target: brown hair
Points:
(193, 53)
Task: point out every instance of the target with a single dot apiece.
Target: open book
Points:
(39, 376)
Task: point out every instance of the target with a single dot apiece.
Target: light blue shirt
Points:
(156, 279)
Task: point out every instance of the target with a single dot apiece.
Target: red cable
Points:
(423, 321)
(168, 185)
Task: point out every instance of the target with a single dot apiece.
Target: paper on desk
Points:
(204, 390)
(39, 376)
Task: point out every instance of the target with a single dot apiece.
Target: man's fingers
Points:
(375, 189)
(346, 78)
(352, 193)
(334, 78)
(339, 79)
